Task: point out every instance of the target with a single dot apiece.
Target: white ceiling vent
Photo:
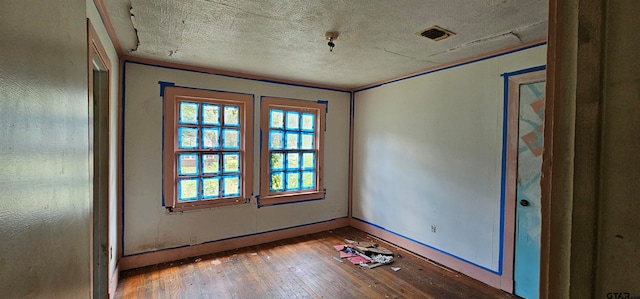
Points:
(435, 33)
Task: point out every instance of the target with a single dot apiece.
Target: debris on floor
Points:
(356, 260)
(337, 259)
(197, 260)
(383, 259)
(344, 254)
(365, 254)
(395, 269)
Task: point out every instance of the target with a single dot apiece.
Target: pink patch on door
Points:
(538, 107)
(533, 142)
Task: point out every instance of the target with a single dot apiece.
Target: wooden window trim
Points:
(271, 198)
(170, 146)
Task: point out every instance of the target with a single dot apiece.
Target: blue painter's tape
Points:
(164, 85)
(503, 177)
(524, 71)
(352, 99)
(325, 103)
(426, 245)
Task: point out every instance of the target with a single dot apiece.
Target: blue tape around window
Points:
(163, 85)
(257, 196)
(325, 103)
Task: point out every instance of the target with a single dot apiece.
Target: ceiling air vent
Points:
(435, 33)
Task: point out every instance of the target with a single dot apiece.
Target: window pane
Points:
(308, 122)
(230, 139)
(276, 140)
(277, 119)
(293, 161)
(308, 180)
(210, 114)
(230, 162)
(231, 186)
(188, 113)
(210, 188)
(187, 137)
(277, 161)
(231, 116)
(187, 164)
(210, 163)
(211, 138)
(293, 140)
(293, 181)
(307, 141)
(188, 189)
(293, 120)
(308, 161)
(277, 181)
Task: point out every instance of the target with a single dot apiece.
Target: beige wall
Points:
(44, 182)
(147, 225)
(428, 151)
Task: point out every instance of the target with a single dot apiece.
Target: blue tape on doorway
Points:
(164, 85)
(505, 131)
(524, 71)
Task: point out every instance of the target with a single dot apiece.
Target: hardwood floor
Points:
(301, 267)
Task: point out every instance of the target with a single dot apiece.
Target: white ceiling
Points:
(285, 39)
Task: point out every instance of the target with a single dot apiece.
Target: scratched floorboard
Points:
(301, 267)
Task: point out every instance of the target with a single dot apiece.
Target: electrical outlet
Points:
(193, 240)
(433, 228)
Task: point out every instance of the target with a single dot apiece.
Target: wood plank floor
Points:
(301, 267)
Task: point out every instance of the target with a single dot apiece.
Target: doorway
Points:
(526, 103)
(99, 160)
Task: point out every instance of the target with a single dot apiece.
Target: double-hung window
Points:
(207, 148)
(292, 150)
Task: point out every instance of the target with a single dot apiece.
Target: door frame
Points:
(512, 82)
(99, 174)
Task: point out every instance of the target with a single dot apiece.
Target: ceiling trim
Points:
(456, 63)
(218, 72)
(102, 11)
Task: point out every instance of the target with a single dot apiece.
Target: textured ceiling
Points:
(285, 39)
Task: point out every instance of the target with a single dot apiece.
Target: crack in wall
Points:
(491, 38)
(135, 30)
(406, 56)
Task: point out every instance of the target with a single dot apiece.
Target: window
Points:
(292, 150)
(207, 148)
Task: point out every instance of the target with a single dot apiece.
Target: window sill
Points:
(290, 198)
(209, 205)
